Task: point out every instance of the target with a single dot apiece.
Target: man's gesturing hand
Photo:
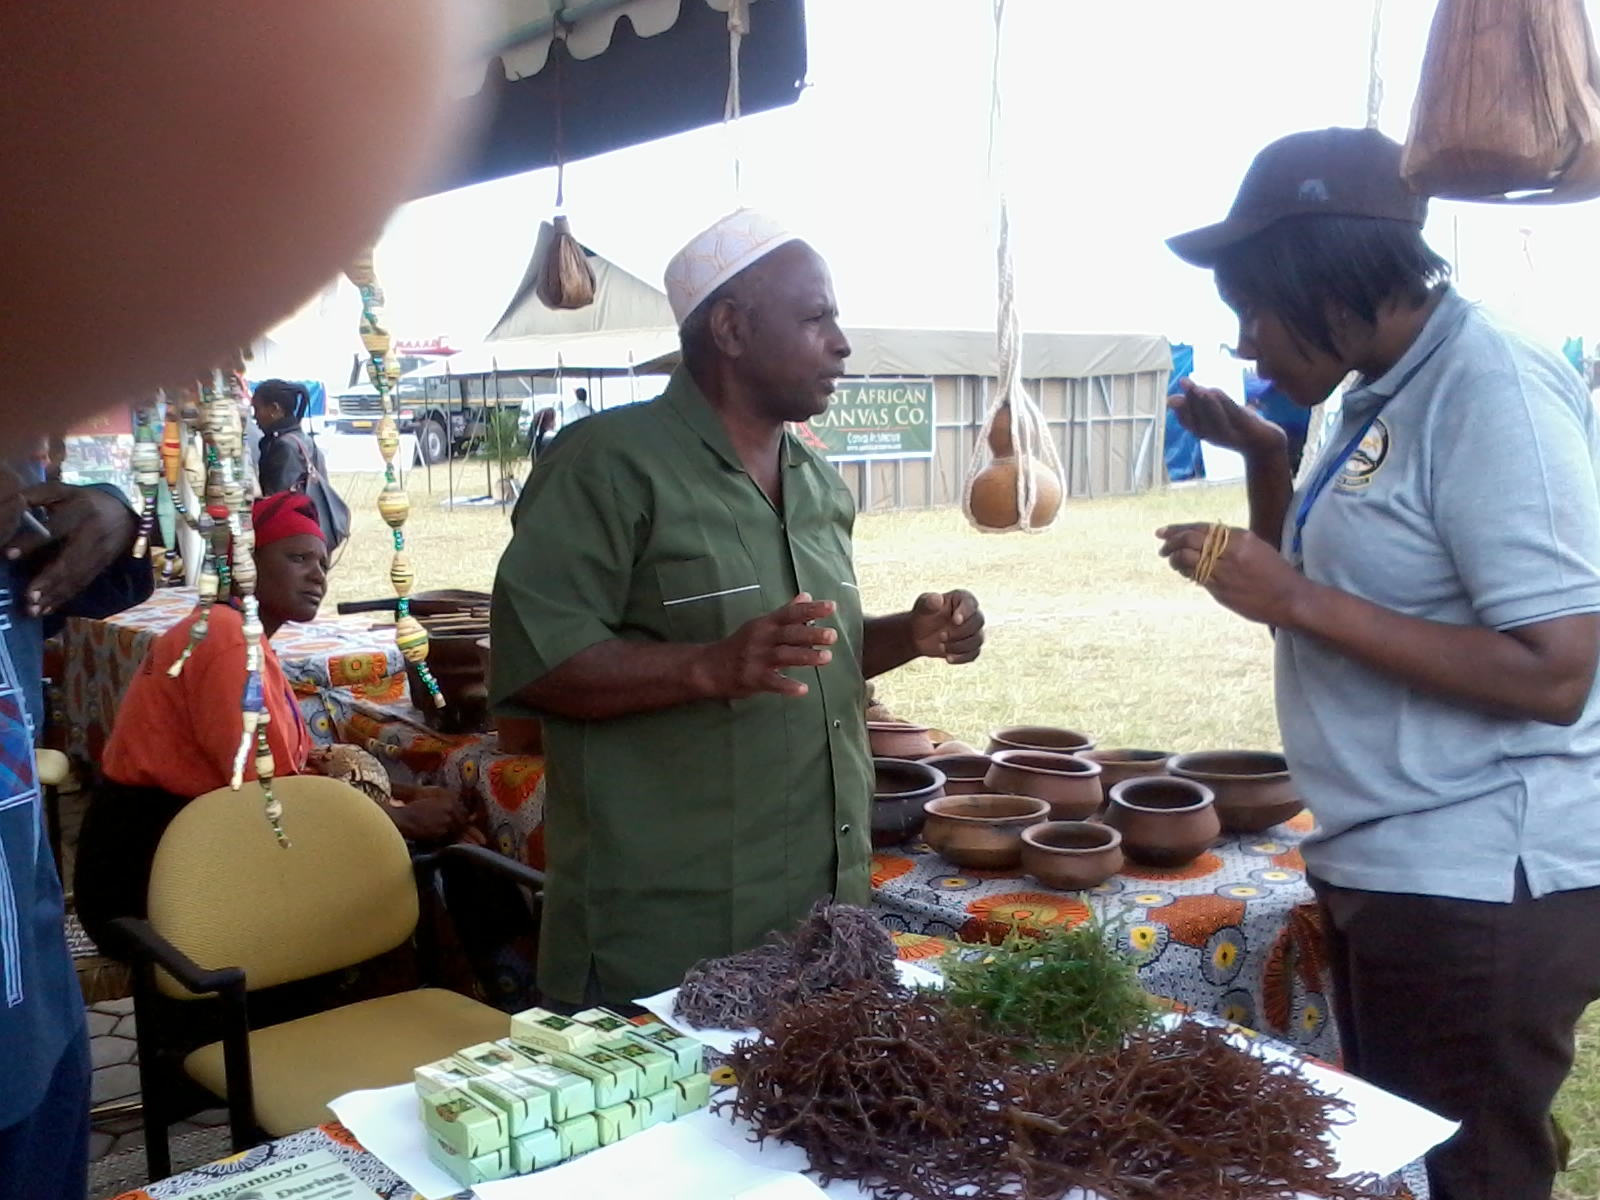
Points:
(753, 660)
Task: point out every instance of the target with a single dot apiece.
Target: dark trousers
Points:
(45, 1156)
(1468, 1009)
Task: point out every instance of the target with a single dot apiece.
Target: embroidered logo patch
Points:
(1366, 461)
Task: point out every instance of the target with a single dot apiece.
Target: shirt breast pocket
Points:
(706, 599)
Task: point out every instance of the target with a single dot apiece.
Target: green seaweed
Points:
(1062, 991)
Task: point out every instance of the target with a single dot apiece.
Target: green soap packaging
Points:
(607, 1022)
(444, 1076)
(579, 1135)
(685, 1052)
(655, 1067)
(493, 1056)
(464, 1125)
(524, 1104)
(617, 1122)
(694, 1093)
(485, 1168)
(536, 1151)
(609, 1087)
(571, 1095)
(546, 1031)
(657, 1109)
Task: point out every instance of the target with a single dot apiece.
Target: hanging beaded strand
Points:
(146, 475)
(172, 478)
(198, 414)
(393, 503)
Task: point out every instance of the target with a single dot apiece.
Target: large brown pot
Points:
(1040, 737)
(1117, 765)
(900, 789)
(899, 739)
(963, 773)
(1071, 855)
(1070, 785)
(1253, 788)
(1164, 822)
(983, 833)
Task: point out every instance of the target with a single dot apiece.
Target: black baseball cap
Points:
(1322, 172)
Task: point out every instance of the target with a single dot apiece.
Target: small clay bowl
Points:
(1040, 737)
(899, 739)
(1253, 788)
(983, 833)
(1069, 784)
(1117, 765)
(1164, 822)
(1071, 855)
(899, 790)
(963, 773)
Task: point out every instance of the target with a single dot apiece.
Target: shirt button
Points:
(844, 829)
(838, 724)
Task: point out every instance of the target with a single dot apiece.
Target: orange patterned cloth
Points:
(1235, 933)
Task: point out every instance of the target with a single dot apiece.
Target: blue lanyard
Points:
(1321, 482)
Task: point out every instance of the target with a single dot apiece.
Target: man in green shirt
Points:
(678, 603)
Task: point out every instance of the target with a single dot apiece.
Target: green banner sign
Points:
(874, 418)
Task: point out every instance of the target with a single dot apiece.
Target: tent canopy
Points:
(624, 72)
(612, 352)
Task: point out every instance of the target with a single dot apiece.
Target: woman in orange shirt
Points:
(175, 738)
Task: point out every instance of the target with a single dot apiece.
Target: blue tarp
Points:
(1183, 448)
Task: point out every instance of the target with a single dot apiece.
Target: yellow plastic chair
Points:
(231, 912)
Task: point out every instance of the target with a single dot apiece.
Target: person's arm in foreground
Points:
(93, 572)
(1525, 541)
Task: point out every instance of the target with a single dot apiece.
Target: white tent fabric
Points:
(618, 350)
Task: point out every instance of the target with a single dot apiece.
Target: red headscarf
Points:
(283, 515)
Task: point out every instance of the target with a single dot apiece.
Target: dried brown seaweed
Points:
(837, 944)
(908, 1097)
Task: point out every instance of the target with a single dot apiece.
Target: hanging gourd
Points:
(1019, 487)
(1508, 108)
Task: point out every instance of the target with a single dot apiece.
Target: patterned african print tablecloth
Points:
(1236, 934)
(100, 658)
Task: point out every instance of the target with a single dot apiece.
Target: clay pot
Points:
(951, 749)
(900, 788)
(1164, 822)
(963, 773)
(1253, 788)
(983, 833)
(1071, 855)
(993, 503)
(1040, 737)
(1117, 765)
(520, 735)
(898, 739)
(1071, 786)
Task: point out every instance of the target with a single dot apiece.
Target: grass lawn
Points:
(1087, 628)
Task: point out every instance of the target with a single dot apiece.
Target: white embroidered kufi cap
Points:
(715, 256)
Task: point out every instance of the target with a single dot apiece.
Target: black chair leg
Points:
(157, 1150)
(236, 1069)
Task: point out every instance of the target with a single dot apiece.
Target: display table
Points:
(336, 654)
(1409, 1184)
(1235, 934)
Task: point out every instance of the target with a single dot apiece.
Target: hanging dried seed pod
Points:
(563, 277)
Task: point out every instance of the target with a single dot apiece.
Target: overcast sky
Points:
(1123, 123)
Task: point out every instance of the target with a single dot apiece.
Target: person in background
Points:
(544, 431)
(1435, 591)
(71, 557)
(175, 739)
(679, 604)
(288, 460)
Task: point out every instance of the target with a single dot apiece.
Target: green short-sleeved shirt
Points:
(692, 831)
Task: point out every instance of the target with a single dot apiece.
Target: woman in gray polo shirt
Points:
(1435, 591)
